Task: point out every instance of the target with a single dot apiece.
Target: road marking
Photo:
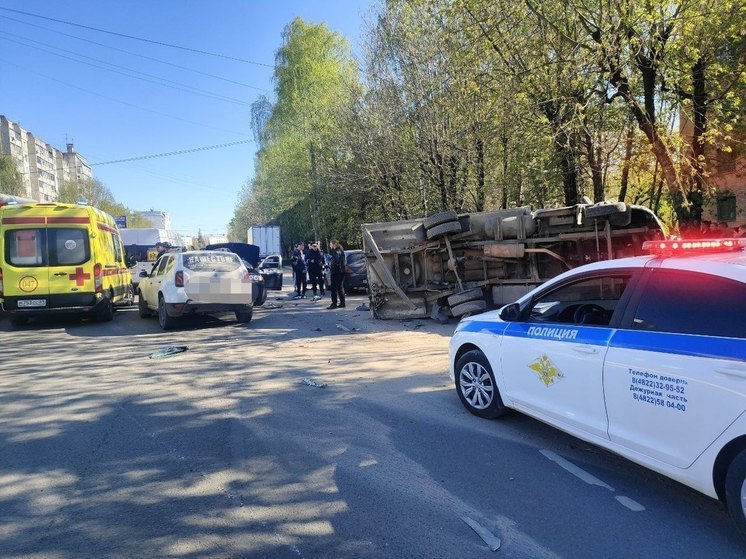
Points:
(574, 470)
(492, 541)
(631, 504)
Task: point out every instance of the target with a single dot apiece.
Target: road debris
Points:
(168, 351)
(363, 307)
(492, 541)
(346, 329)
(311, 382)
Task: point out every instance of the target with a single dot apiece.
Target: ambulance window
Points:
(25, 247)
(68, 247)
(692, 303)
(118, 247)
(590, 301)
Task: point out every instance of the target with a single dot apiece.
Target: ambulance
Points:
(60, 258)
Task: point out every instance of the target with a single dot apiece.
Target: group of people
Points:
(308, 267)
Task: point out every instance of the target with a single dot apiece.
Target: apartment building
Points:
(43, 168)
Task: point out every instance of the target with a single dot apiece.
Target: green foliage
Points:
(478, 104)
(98, 195)
(11, 182)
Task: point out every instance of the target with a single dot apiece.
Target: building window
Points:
(726, 207)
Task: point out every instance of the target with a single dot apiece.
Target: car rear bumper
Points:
(183, 309)
(54, 304)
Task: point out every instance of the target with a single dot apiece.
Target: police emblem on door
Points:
(548, 373)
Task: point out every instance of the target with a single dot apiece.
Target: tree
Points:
(98, 195)
(11, 182)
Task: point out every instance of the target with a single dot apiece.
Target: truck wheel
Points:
(464, 296)
(469, 307)
(735, 492)
(444, 229)
(602, 209)
(476, 386)
(167, 322)
(142, 306)
(437, 219)
(243, 317)
(106, 312)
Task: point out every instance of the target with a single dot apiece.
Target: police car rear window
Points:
(218, 262)
(692, 303)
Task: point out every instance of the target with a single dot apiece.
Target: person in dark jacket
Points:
(337, 269)
(298, 262)
(315, 265)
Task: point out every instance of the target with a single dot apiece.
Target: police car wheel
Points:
(167, 322)
(476, 386)
(735, 492)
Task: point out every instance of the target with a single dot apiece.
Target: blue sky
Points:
(111, 116)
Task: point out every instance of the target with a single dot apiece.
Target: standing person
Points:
(337, 269)
(299, 271)
(315, 265)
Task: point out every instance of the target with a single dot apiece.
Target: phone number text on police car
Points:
(676, 389)
(659, 402)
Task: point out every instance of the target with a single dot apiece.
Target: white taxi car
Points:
(644, 356)
(186, 283)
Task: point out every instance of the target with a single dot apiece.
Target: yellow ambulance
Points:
(60, 258)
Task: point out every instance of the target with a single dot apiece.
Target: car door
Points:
(151, 286)
(675, 374)
(552, 361)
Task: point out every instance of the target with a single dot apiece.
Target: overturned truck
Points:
(453, 264)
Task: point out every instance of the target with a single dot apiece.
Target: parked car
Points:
(356, 271)
(271, 270)
(249, 255)
(203, 281)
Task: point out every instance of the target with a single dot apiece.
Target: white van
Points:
(143, 246)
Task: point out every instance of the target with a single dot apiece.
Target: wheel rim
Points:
(476, 385)
(743, 497)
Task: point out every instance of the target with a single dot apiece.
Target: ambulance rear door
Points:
(71, 268)
(24, 264)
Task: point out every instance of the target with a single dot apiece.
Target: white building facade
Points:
(43, 168)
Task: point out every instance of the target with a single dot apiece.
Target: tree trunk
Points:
(314, 194)
(479, 146)
(594, 162)
(626, 164)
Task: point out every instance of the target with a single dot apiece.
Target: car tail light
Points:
(1, 282)
(693, 246)
(348, 270)
(179, 279)
(245, 276)
(98, 281)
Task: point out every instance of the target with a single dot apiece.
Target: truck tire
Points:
(464, 296)
(603, 209)
(443, 229)
(437, 219)
(469, 307)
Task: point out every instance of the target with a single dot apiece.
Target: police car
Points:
(644, 356)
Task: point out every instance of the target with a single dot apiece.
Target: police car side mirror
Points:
(510, 312)
(143, 274)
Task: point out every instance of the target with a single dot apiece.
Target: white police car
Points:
(643, 356)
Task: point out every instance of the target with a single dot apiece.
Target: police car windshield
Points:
(218, 262)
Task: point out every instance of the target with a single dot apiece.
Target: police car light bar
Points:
(693, 246)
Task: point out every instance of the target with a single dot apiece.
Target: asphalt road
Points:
(233, 449)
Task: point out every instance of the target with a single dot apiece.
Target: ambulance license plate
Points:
(25, 303)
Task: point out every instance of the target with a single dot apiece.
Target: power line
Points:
(136, 54)
(179, 86)
(170, 153)
(25, 68)
(218, 55)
